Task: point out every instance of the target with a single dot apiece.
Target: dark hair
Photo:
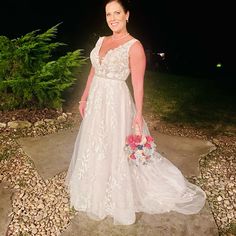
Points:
(124, 3)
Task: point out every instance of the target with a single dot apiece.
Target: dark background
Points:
(194, 35)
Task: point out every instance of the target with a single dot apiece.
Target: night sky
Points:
(199, 34)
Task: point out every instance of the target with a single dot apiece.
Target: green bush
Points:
(29, 76)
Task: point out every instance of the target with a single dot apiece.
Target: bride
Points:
(100, 180)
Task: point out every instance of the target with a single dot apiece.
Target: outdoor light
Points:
(161, 54)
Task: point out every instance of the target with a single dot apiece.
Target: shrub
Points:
(29, 76)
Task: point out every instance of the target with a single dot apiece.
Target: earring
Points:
(127, 20)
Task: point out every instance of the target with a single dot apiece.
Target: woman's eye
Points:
(117, 12)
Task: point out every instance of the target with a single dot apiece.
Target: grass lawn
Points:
(198, 102)
(193, 101)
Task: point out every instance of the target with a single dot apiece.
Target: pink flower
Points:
(137, 138)
(132, 146)
(132, 156)
(147, 145)
(130, 139)
(149, 138)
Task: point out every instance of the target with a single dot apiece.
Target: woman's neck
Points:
(120, 35)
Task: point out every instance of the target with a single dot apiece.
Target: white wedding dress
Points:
(100, 180)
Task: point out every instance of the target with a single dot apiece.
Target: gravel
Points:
(218, 169)
(39, 207)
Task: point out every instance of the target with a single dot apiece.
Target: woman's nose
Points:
(113, 17)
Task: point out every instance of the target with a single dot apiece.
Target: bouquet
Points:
(141, 149)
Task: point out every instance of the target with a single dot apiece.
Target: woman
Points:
(100, 180)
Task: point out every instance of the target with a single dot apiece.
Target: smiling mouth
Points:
(114, 23)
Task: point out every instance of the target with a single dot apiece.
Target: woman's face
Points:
(116, 17)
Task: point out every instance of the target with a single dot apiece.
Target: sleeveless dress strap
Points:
(99, 41)
(130, 43)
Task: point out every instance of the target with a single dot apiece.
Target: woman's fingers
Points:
(82, 110)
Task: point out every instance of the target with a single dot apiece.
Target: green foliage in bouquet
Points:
(30, 75)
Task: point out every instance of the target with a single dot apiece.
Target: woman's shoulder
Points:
(136, 40)
(136, 43)
(136, 47)
(104, 37)
(101, 38)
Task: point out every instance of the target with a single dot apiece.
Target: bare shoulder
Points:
(105, 38)
(136, 48)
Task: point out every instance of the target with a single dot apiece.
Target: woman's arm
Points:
(88, 83)
(84, 97)
(137, 68)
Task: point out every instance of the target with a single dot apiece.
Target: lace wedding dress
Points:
(100, 180)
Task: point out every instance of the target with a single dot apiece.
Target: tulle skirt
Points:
(101, 181)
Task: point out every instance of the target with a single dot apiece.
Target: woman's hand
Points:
(138, 124)
(82, 106)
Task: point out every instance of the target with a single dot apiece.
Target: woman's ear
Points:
(127, 16)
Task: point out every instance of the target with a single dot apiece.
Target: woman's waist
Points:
(102, 77)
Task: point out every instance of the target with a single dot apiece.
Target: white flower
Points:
(144, 140)
(138, 154)
(146, 151)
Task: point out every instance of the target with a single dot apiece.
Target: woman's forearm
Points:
(138, 96)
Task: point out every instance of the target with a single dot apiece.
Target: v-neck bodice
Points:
(115, 63)
(101, 58)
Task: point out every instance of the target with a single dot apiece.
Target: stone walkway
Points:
(51, 155)
(5, 208)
